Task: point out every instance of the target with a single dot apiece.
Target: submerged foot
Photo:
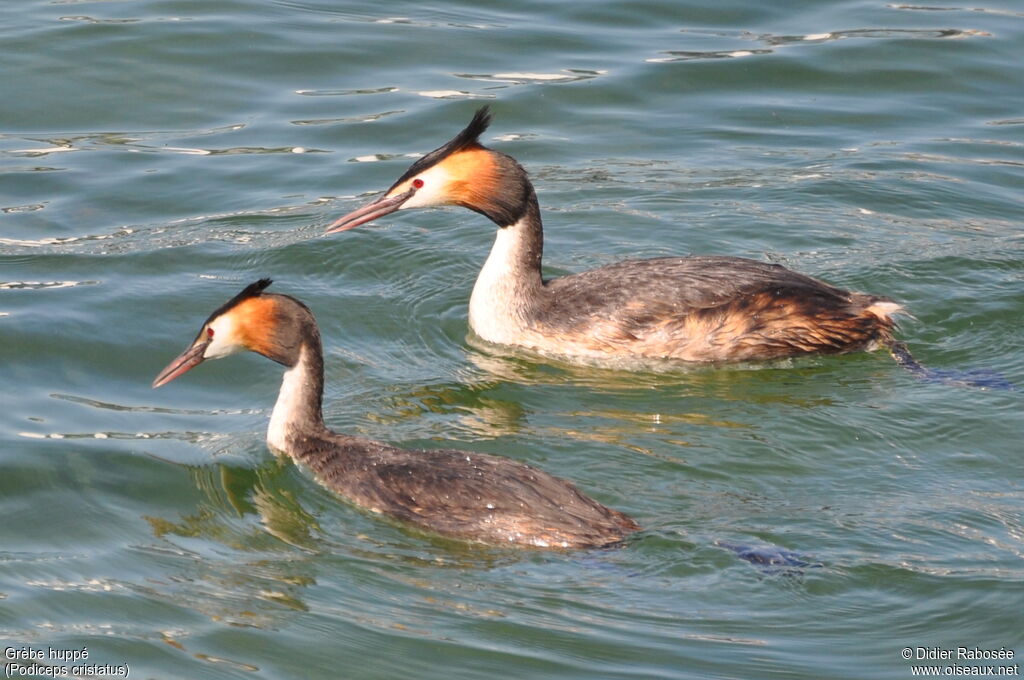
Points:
(977, 378)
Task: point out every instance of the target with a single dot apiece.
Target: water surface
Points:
(157, 155)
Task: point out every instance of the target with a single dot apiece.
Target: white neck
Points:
(292, 411)
(498, 305)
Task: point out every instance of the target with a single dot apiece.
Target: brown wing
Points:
(469, 495)
(711, 309)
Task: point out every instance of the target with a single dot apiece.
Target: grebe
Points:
(466, 495)
(698, 308)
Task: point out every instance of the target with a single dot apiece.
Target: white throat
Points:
(290, 405)
(497, 305)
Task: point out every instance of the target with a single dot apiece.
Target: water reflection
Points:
(250, 549)
(671, 378)
(235, 492)
(235, 557)
(652, 412)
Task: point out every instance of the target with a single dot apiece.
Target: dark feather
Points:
(710, 308)
(252, 290)
(463, 494)
(468, 137)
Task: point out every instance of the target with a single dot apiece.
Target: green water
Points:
(157, 155)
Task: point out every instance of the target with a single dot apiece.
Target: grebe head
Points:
(462, 172)
(251, 321)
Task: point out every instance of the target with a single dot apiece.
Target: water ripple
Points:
(984, 10)
(345, 93)
(874, 145)
(15, 209)
(453, 94)
(95, 403)
(92, 141)
(365, 118)
(521, 78)
(193, 437)
(780, 41)
(42, 285)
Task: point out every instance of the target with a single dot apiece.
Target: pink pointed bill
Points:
(369, 212)
(184, 362)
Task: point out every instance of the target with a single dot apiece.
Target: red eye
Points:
(209, 333)
(417, 183)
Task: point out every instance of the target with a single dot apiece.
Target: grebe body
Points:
(461, 494)
(697, 308)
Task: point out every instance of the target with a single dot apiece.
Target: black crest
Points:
(481, 121)
(250, 291)
(468, 137)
